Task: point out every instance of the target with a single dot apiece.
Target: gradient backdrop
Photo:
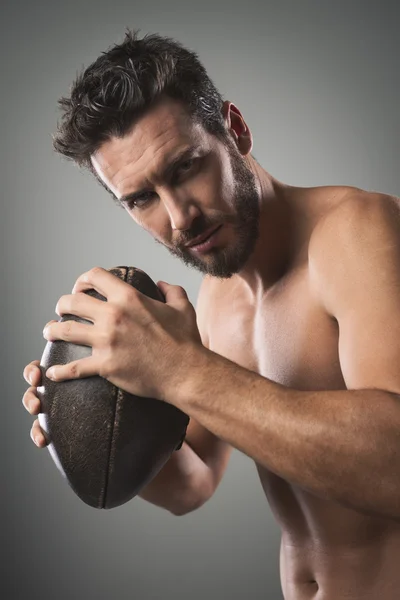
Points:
(318, 83)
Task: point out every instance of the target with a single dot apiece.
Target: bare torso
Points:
(328, 551)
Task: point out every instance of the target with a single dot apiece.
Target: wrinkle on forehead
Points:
(144, 150)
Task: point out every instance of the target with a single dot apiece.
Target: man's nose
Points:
(181, 211)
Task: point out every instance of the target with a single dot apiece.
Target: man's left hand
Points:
(141, 345)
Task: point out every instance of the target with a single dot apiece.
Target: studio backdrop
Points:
(317, 82)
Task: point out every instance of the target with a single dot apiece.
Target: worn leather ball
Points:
(107, 443)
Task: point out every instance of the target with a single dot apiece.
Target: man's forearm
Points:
(182, 485)
(340, 444)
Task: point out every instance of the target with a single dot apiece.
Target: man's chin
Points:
(207, 265)
(217, 262)
(210, 264)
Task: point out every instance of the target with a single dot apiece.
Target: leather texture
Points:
(108, 444)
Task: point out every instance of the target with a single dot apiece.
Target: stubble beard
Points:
(222, 263)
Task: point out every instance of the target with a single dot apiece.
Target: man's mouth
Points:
(200, 239)
(203, 244)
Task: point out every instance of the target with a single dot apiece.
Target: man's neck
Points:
(275, 247)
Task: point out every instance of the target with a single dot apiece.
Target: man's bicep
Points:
(356, 266)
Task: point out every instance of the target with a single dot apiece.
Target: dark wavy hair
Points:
(110, 95)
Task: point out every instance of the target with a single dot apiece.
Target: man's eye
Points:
(186, 166)
(140, 201)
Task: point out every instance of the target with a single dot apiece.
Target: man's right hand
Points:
(33, 375)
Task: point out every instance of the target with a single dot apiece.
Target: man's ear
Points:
(237, 127)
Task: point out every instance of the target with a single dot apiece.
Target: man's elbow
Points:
(179, 511)
(192, 502)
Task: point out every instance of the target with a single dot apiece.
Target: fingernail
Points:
(51, 373)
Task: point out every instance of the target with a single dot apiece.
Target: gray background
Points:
(318, 84)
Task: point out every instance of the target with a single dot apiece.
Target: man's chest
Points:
(287, 337)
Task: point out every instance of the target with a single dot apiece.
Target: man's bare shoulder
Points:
(348, 235)
(357, 208)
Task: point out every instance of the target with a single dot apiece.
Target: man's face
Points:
(179, 182)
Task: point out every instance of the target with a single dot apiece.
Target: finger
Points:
(81, 305)
(37, 434)
(108, 285)
(31, 402)
(70, 331)
(173, 293)
(77, 369)
(32, 373)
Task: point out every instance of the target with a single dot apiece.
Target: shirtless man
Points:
(298, 361)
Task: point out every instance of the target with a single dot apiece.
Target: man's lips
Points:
(201, 238)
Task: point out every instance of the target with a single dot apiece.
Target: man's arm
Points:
(192, 474)
(341, 444)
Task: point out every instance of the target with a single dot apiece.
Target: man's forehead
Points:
(160, 133)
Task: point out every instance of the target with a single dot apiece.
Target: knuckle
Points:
(131, 294)
(111, 339)
(68, 327)
(107, 338)
(74, 370)
(115, 316)
(112, 323)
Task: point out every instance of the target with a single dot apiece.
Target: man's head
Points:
(148, 122)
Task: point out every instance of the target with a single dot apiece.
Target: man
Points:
(293, 353)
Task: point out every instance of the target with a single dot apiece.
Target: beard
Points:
(222, 263)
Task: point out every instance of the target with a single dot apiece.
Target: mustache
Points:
(199, 228)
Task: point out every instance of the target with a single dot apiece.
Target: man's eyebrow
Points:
(165, 175)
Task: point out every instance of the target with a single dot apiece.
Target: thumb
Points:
(174, 294)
